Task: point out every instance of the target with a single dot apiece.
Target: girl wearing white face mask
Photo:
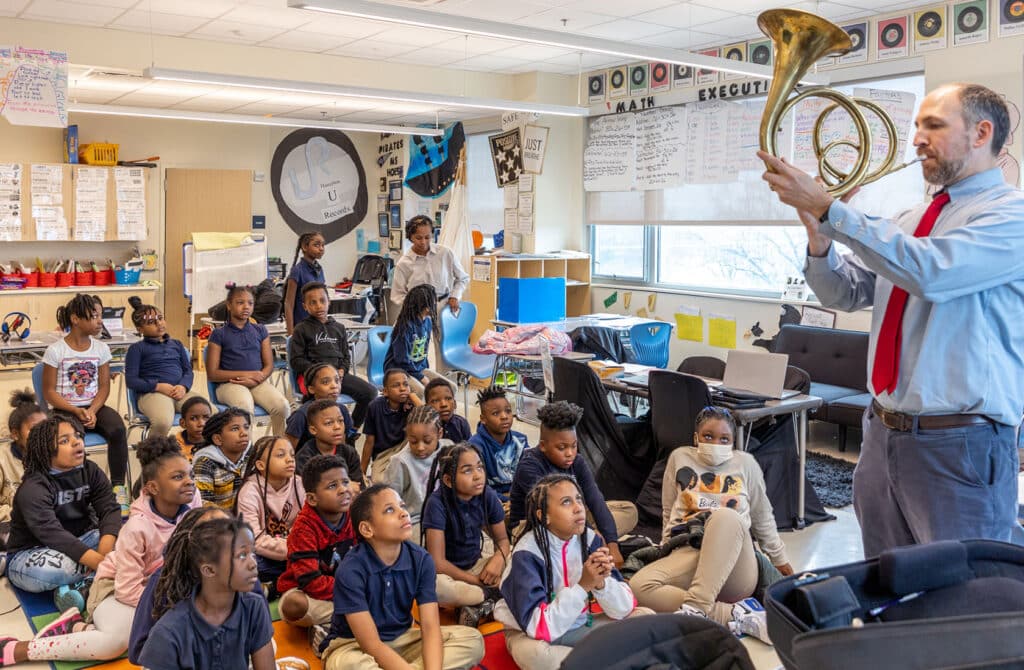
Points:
(713, 488)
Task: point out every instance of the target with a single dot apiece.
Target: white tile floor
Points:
(819, 545)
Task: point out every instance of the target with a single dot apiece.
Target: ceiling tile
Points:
(164, 24)
(680, 39)
(372, 49)
(12, 7)
(575, 20)
(619, 8)
(472, 45)
(527, 51)
(589, 60)
(683, 16)
(734, 28)
(142, 99)
(490, 62)
(431, 56)
(497, 10)
(281, 17)
(744, 6)
(300, 40)
(91, 97)
(236, 32)
(344, 25)
(118, 4)
(832, 10)
(210, 9)
(626, 30)
(413, 37)
(261, 108)
(71, 12)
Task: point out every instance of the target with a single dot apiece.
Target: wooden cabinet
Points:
(41, 303)
(484, 293)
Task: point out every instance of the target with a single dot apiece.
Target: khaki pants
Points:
(160, 409)
(624, 514)
(534, 654)
(318, 612)
(265, 395)
(453, 593)
(463, 648)
(721, 572)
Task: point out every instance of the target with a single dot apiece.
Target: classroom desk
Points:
(797, 406)
(17, 352)
(617, 322)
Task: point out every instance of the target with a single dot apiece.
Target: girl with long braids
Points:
(205, 606)
(76, 380)
(270, 499)
(558, 568)
(408, 469)
(459, 508)
(410, 338)
(304, 270)
(65, 517)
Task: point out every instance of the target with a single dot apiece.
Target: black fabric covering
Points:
(267, 304)
(923, 567)
(604, 343)
(661, 641)
(703, 366)
(619, 451)
(675, 399)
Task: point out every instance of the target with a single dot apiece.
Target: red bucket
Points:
(47, 279)
(31, 279)
(85, 278)
(65, 279)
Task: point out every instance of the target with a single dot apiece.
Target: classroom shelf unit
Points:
(483, 292)
(41, 303)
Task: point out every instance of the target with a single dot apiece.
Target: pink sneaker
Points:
(62, 625)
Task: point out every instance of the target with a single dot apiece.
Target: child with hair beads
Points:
(25, 414)
(218, 467)
(208, 615)
(195, 412)
(320, 537)
(76, 380)
(558, 453)
(440, 395)
(320, 339)
(269, 500)
(239, 360)
(722, 491)
(548, 603)
(500, 446)
(65, 517)
(323, 382)
(304, 270)
(409, 468)
(374, 588)
(167, 494)
(385, 418)
(327, 427)
(157, 369)
(410, 337)
(459, 508)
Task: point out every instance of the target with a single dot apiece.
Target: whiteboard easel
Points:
(206, 273)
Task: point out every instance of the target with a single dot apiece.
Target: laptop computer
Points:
(752, 374)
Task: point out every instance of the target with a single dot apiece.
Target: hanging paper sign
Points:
(507, 154)
(535, 144)
(35, 87)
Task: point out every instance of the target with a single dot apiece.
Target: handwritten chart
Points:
(34, 87)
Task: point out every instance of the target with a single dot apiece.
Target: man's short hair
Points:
(980, 103)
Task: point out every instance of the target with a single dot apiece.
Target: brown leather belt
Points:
(905, 422)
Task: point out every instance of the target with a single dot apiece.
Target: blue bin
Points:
(531, 300)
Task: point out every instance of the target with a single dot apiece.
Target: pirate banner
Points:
(507, 153)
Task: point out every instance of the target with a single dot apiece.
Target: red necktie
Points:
(885, 373)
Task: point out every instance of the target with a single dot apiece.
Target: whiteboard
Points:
(207, 272)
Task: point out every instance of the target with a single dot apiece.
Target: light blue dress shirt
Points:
(962, 348)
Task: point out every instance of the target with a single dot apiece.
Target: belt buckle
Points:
(897, 421)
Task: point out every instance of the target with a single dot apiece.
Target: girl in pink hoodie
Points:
(269, 500)
(167, 493)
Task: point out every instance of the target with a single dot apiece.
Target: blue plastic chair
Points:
(378, 339)
(94, 442)
(260, 415)
(649, 342)
(138, 420)
(456, 352)
(342, 398)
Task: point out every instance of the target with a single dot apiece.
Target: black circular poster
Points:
(319, 183)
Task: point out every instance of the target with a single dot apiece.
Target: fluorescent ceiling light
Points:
(509, 31)
(245, 119)
(187, 76)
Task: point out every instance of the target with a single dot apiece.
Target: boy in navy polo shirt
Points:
(439, 395)
(385, 417)
(374, 588)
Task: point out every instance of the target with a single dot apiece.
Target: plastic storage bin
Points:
(127, 276)
(531, 300)
(98, 153)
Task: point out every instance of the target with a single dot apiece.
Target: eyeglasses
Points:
(152, 318)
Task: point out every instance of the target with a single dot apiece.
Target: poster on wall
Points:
(930, 29)
(617, 83)
(507, 154)
(892, 39)
(434, 160)
(35, 87)
(318, 183)
(638, 79)
(682, 76)
(661, 79)
(1011, 17)
(708, 77)
(737, 52)
(970, 22)
(858, 33)
(535, 145)
(596, 87)
(760, 52)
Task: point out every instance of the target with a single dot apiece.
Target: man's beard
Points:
(945, 173)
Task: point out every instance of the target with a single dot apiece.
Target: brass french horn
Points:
(801, 39)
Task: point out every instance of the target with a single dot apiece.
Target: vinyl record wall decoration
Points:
(970, 22)
(708, 77)
(736, 52)
(1011, 17)
(892, 38)
(760, 52)
(617, 87)
(682, 76)
(638, 79)
(930, 29)
(660, 79)
(596, 87)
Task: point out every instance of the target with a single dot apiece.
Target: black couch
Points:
(837, 363)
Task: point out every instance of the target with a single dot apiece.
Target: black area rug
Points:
(832, 479)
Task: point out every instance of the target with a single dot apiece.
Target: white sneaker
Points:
(690, 610)
(749, 618)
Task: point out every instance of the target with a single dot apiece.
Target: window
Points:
(725, 238)
(485, 201)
